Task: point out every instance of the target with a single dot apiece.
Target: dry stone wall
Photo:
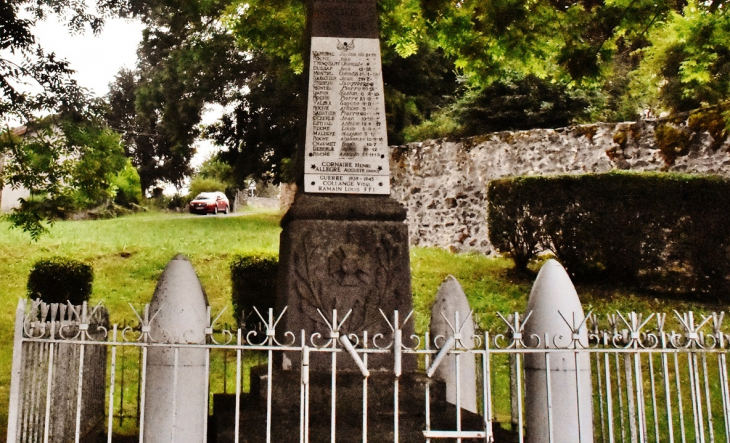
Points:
(443, 183)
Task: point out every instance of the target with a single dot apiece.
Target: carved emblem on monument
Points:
(346, 46)
(357, 279)
(350, 266)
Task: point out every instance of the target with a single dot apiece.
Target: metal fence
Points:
(653, 378)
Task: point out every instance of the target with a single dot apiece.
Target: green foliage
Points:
(663, 232)
(524, 104)
(449, 69)
(101, 160)
(216, 169)
(66, 162)
(713, 121)
(672, 142)
(186, 59)
(687, 64)
(267, 123)
(201, 184)
(275, 29)
(32, 82)
(415, 88)
(253, 280)
(128, 185)
(288, 170)
(60, 280)
(441, 124)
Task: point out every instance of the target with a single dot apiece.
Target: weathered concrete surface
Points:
(285, 423)
(553, 294)
(179, 305)
(443, 183)
(450, 300)
(344, 252)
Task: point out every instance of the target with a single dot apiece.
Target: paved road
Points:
(220, 214)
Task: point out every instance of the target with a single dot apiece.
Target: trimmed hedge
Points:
(60, 280)
(663, 232)
(253, 279)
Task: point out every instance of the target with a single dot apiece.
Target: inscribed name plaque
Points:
(346, 150)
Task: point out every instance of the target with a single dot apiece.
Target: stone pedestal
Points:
(344, 253)
(285, 426)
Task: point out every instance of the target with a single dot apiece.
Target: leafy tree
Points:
(186, 59)
(128, 186)
(31, 81)
(528, 103)
(688, 63)
(266, 125)
(66, 162)
(202, 184)
(147, 141)
(415, 88)
(449, 68)
(216, 169)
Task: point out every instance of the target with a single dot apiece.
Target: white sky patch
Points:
(98, 58)
(205, 148)
(95, 58)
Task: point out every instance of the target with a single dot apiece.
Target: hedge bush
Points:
(60, 280)
(663, 232)
(253, 280)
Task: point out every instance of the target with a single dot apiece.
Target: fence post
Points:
(515, 402)
(175, 392)
(16, 374)
(451, 299)
(565, 400)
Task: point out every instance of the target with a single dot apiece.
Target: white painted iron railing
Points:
(657, 378)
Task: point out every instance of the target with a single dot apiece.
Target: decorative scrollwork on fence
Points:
(64, 321)
(228, 336)
(270, 327)
(145, 326)
(693, 337)
(623, 331)
(516, 324)
(575, 339)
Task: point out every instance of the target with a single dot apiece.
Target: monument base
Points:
(285, 409)
(347, 253)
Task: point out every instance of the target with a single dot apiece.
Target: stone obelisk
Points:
(344, 243)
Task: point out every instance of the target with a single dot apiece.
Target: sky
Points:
(97, 58)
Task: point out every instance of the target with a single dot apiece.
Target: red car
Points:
(209, 202)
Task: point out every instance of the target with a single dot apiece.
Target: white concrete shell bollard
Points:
(176, 401)
(450, 300)
(570, 399)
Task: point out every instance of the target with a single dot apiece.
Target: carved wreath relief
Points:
(356, 274)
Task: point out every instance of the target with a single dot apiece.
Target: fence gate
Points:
(653, 378)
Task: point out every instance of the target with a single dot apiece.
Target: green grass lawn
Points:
(129, 254)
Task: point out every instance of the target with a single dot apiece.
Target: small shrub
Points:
(253, 281)
(514, 228)
(129, 186)
(59, 279)
(672, 143)
(201, 184)
(177, 201)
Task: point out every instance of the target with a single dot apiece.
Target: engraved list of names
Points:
(346, 150)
